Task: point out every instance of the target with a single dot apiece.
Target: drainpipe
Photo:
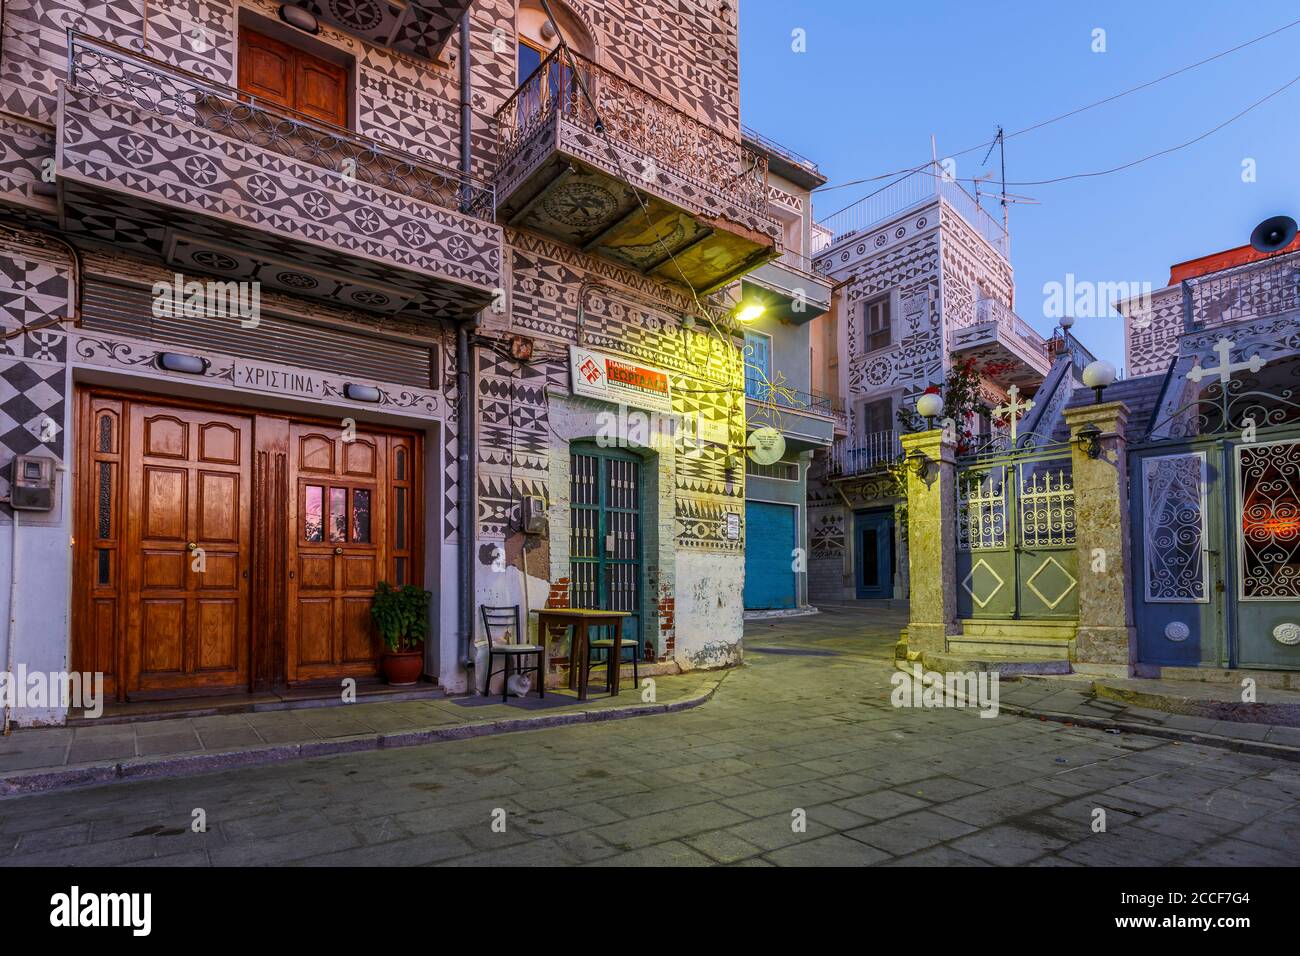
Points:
(13, 615)
(465, 401)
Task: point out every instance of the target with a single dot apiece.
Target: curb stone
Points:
(187, 764)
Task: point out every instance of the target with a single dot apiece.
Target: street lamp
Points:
(929, 406)
(1097, 376)
(750, 311)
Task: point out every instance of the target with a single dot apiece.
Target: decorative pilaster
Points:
(1106, 640)
(931, 541)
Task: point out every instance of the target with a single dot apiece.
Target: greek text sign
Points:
(622, 381)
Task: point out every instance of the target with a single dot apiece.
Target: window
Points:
(758, 364)
(876, 327)
(878, 416)
(277, 73)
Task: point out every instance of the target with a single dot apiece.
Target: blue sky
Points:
(879, 78)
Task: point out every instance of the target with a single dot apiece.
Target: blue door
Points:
(758, 364)
(769, 555)
(605, 536)
(874, 553)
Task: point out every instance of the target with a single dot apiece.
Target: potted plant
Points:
(402, 617)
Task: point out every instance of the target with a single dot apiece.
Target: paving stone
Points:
(833, 850)
(1008, 845)
(883, 804)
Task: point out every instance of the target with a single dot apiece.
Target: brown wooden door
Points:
(286, 76)
(338, 551)
(188, 549)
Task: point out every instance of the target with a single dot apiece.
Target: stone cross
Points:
(1226, 366)
(1013, 408)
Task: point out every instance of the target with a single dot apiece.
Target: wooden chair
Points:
(499, 621)
(606, 644)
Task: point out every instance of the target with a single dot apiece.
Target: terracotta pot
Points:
(404, 667)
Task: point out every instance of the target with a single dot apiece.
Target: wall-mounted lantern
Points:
(1089, 440)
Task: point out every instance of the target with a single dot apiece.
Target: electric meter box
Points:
(534, 514)
(31, 485)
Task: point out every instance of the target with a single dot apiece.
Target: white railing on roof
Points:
(915, 189)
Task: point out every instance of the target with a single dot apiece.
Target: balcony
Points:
(808, 420)
(1256, 290)
(868, 453)
(790, 288)
(912, 193)
(1005, 345)
(211, 180)
(596, 162)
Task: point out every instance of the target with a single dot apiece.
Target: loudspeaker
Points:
(1273, 234)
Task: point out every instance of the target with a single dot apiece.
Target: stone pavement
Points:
(805, 730)
(44, 758)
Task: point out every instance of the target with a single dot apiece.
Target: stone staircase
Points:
(1015, 640)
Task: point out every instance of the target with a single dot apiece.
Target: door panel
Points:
(605, 535)
(188, 550)
(769, 555)
(874, 557)
(1267, 485)
(292, 78)
(340, 545)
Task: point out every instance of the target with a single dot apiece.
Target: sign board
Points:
(622, 381)
(766, 446)
(733, 526)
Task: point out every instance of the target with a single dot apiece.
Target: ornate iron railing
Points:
(112, 72)
(1254, 291)
(636, 120)
(994, 310)
(864, 454)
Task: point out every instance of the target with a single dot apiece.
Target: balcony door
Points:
(285, 76)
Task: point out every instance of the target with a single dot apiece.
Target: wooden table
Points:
(581, 620)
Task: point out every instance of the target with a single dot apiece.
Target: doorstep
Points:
(35, 759)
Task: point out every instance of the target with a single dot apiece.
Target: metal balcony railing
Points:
(812, 403)
(1256, 290)
(916, 189)
(993, 310)
(636, 120)
(772, 146)
(112, 72)
(867, 453)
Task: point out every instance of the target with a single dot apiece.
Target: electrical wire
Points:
(1074, 112)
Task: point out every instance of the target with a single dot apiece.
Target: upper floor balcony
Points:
(1006, 346)
(597, 162)
(807, 420)
(790, 288)
(213, 180)
(863, 454)
(913, 192)
(1256, 290)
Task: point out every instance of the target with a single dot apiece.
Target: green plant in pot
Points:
(402, 617)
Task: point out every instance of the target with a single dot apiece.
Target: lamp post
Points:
(1097, 376)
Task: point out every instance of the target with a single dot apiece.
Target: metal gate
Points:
(605, 534)
(1015, 536)
(1217, 551)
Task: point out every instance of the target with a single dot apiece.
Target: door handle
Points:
(338, 550)
(192, 546)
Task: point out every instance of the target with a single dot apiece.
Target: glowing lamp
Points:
(1098, 375)
(929, 406)
(750, 312)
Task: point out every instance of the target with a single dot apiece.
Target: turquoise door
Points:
(605, 534)
(769, 556)
(874, 555)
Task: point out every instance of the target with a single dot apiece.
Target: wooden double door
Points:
(223, 550)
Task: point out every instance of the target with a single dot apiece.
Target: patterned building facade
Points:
(923, 279)
(234, 482)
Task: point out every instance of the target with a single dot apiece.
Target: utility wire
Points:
(1076, 111)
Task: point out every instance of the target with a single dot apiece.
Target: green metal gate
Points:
(1015, 537)
(605, 534)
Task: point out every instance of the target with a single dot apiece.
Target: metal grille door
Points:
(605, 536)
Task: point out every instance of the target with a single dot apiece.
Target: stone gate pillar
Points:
(1105, 643)
(931, 541)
